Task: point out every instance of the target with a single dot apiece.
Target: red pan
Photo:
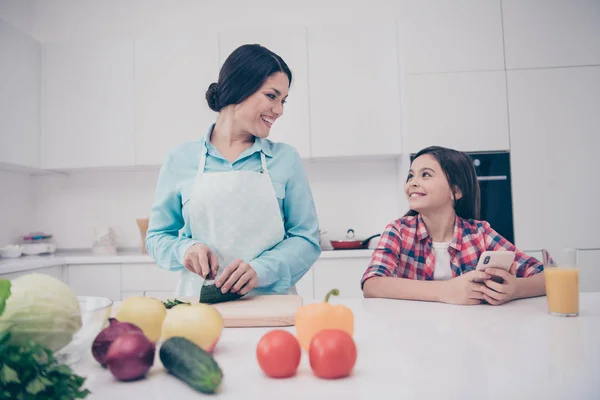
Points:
(350, 243)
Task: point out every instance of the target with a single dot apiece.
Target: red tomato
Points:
(332, 354)
(278, 353)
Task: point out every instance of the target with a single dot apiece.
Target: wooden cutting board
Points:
(256, 311)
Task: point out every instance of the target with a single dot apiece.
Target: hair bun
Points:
(212, 97)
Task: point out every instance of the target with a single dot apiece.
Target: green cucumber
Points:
(188, 362)
(210, 294)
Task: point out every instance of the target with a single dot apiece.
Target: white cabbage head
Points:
(40, 308)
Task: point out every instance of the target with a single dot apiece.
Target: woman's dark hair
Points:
(242, 74)
(460, 172)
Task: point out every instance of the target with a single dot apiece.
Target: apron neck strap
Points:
(202, 160)
(263, 161)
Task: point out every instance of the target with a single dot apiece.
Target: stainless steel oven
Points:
(493, 173)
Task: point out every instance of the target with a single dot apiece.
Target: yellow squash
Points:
(312, 318)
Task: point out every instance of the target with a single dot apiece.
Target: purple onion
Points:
(107, 336)
(130, 356)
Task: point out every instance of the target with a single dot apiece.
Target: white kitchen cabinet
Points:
(88, 105)
(305, 286)
(160, 294)
(148, 277)
(554, 122)
(551, 33)
(588, 262)
(55, 272)
(290, 44)
(341, 273)
(466, 111)
(20, 66)
(354, 90)
(450, 36)
(102, 280)
(535, 254)
(171, 79)
(131, 293)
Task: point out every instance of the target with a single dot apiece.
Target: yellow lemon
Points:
(145, 312)
(199, 323)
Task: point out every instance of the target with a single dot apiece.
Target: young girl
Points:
(431, 253)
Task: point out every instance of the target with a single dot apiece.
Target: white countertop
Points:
(412, 350)
(123, 256)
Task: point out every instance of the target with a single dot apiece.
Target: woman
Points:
(234, 205)
(431, 253)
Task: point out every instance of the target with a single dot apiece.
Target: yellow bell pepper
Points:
(312, 318)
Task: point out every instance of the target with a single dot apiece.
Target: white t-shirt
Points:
(442, 270)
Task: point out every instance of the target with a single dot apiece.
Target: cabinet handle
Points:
(492, 178)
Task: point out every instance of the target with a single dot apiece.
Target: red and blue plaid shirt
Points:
(405, 250)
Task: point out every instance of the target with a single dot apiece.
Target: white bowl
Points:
(95, 312)
(11, 251)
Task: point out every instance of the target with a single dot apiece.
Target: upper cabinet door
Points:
(551, 33)
(20, 65)
(554, 125)
(451, 36)
(88, 105)
(466, 111)
(290, 44)
(171, 79)
(354, 90)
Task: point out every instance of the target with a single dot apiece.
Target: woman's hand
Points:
(239, 277)
(201, 260)
(464, 289)
(496, 293)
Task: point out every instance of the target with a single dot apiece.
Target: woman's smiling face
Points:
(259, 111)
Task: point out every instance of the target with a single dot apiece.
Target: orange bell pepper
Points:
(312, 318)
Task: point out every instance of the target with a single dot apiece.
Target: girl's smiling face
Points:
(427, 187)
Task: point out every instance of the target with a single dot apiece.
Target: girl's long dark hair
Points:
(460, 172)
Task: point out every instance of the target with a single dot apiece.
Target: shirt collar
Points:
(259, 145)
(456, 242)
(421, 228)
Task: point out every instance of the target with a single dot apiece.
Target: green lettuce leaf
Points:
(4, 293)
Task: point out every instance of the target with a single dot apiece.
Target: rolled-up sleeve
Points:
(279, 268)
(386, 257)
(526, 266)
(163, 240)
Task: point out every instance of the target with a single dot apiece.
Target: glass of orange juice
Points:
(562, 282)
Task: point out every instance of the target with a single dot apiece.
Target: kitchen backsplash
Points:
(16, 206)
(359, 194)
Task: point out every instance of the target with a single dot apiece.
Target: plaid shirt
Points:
(405, 250)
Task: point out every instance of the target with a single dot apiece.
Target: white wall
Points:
(15, 206)
(348, 194)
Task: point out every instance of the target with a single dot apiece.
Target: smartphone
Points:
(502, 259)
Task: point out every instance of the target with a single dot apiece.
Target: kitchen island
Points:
(411, 350)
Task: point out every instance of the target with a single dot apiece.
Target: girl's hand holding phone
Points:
(496, 293)
(464, 289)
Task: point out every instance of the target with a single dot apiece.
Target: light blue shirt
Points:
(278, 269)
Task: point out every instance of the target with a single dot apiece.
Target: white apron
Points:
(236, 214)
